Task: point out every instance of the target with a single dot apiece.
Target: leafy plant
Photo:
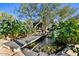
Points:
(68, 32)
(15, 29)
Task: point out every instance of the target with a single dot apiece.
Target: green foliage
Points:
(29, 26)
(50, 49)
(18, 29)
(69, 31)
(5, 28)
(14, 28)
(65, 12)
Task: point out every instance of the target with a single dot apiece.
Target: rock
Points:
(70, 45)
(22, 41)
(52, 55)
(8, 38)
(63, 52)
(59, 53)
(42, 54)
(6, 52)
(11, 44)
(19, 53)
(2, 41)
(66, 49)
(77, 45)
(71, 53)
(28, 52)
(4, 46)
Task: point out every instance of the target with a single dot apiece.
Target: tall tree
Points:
(65, 13)
(46, 13)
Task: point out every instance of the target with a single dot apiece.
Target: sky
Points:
(10, 7)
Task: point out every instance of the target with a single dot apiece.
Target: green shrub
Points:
(69, 32)
(14, 29)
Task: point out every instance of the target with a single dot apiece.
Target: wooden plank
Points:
(31, 42)
(20, 43)
(28, 39)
